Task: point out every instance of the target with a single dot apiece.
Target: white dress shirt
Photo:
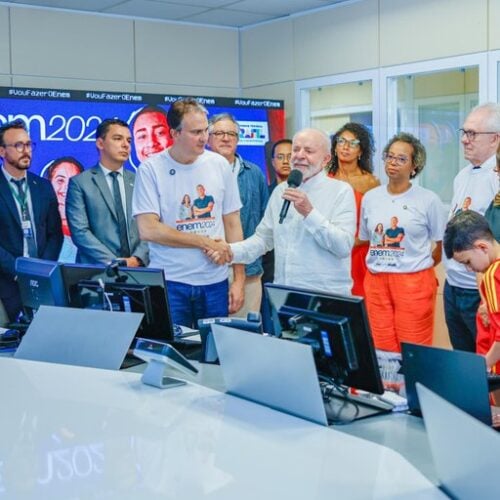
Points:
(312, 252)
(121, 185)
(19, 210)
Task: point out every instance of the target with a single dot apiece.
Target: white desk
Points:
(79, 433)
(399, 431)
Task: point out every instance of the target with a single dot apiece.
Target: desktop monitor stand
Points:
(153, 375)
(159, 355)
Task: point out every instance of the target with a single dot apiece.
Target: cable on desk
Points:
(330, 389)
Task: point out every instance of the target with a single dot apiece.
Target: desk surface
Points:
(72, 432)
(399, 431)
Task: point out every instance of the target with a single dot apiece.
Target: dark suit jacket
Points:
(91, 215)
(47, 222)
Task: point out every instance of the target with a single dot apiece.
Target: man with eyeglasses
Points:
(474, 187)
(281, 154)
(30, 222)
(224, 133)
(197, 288)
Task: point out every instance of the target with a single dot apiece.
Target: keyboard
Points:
(183, 332)
(399, 402)
(364, 398)
(493, 381)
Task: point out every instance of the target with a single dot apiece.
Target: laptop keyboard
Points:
(493, 381)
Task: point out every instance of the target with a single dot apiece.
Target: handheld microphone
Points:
(294, 181)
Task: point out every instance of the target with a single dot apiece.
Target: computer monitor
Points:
(336, 326)
(131, 289)
(40, 283)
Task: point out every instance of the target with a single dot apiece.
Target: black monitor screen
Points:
(130, 290)
(338, 328)
(40, 283)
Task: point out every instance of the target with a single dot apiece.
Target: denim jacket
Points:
(254, 195)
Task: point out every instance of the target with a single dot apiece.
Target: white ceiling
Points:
(215, 12)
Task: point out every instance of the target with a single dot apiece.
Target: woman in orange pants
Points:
(401, 221)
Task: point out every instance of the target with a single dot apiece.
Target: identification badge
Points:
(27, 229)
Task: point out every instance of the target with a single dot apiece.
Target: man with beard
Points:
(31, 225)
(313, 244)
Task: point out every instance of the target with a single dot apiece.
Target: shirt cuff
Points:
(314, 220)
(237, 253)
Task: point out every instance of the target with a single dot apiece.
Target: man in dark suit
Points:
(30, 224)
(99, 202)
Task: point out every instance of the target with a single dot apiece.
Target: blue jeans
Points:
(460, 308)
(189, 303)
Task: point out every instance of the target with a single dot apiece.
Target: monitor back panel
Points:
(457, 376)
(465, 451)
(83, 337)
(270, 371)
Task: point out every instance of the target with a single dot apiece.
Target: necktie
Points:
(120, 214)
(28, 228)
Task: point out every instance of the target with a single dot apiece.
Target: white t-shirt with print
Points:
(401, 229)
(479, 185)
(161, 186)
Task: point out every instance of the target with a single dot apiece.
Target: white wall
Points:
(362, 35)
(47, 48)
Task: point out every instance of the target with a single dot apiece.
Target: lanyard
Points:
(23, 201)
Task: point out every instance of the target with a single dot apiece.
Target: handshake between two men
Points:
(219, 252)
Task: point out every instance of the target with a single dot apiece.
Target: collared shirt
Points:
(481, 186)
(254, 195)
(18, 205)
(121, 184)
(236, 166)
(312, 252)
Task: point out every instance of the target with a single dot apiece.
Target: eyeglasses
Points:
(399, 160)
(220, 134)
(354, 143)
(283, 157)
(20, 146)
(472, 134)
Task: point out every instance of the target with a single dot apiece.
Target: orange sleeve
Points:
(491, 291)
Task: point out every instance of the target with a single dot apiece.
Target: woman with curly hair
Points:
(401, 284)
(352, 153)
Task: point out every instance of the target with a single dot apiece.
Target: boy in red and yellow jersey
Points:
(468, 239)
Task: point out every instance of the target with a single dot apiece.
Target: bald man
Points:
(313, 244)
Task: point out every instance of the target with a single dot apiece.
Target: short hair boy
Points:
(469, 240)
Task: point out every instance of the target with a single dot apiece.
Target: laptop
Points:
(282, 375)
(457, 376)
(465, 451)
(82, 337)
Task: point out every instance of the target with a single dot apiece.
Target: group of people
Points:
(206, 216)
